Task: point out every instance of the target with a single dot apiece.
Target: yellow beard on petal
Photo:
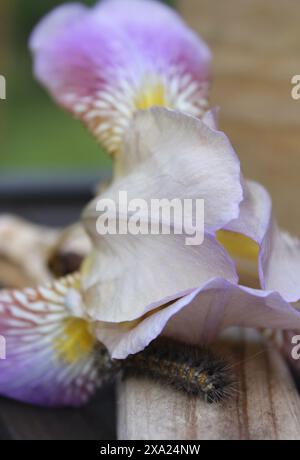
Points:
(108, 113)
(151, 95)
(245, 252)
(238, 245)
(76, 342)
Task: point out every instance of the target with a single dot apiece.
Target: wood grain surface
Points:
(256, 49)
(265, 405)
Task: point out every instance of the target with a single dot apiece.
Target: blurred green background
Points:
(35, 133)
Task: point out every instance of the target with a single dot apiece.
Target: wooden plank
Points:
(265, 406)
(256, 48)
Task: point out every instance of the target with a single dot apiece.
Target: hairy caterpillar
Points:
(196, 371)
(39, 323)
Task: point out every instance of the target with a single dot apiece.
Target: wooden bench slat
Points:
(266, 404)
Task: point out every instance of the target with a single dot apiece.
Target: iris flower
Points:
(102, 64)
(110, 66)
(133, 289)
(52, 358)
(106, 62)
(139, 287)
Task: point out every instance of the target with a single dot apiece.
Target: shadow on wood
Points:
(96, 421)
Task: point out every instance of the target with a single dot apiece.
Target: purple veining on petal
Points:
(50, 356)
(105, 63)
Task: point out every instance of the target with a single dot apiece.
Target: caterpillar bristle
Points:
(196, 371)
